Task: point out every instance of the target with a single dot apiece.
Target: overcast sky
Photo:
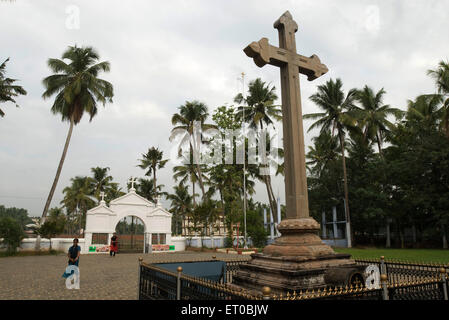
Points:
(163, 53)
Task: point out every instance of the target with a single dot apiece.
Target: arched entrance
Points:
(131, 235)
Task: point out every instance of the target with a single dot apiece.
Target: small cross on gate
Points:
(102, 196)
(132, 181)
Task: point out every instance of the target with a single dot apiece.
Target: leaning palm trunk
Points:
(200, 174)
(271, 199)
(193, 194)
(154, 184)
(275, 207)
(267, 181)
(55, 181)
(183, 226)
(345, 178)
(379, 145)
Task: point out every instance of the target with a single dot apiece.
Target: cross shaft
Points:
(291, 65)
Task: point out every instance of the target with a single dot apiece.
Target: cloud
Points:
(164, 53)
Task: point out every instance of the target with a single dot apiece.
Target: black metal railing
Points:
(402, 281)
(158, 284)
(429, 290)
(401, 271)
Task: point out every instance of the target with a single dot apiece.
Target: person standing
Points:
(114, 245)
(73, 255)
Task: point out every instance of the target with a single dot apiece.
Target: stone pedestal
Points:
(297, 260)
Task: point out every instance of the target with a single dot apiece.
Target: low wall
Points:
(339, 243)
(62, 244)
(179, 243)
(212, 242)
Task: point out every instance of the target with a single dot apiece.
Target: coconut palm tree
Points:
(181, 203)
(425, 110)
(372, 115)
(441, 77)
(152, 160)
(259, 105)
(337, 116)
(145, 188)
(184, 173)
(259, 110)
(7, 89)
(191, 119)
(78, 89)
(78, 198)
(324, 151)
(101, 180)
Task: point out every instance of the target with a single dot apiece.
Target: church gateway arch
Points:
(141, 225)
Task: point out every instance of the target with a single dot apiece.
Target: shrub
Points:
(12, 233)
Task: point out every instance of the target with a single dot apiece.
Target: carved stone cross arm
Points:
(263, 53)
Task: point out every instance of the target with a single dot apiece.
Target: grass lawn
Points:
(414, 255)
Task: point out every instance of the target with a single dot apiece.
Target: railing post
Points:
(178, 284)
(139, 283)
(384, 282)
(443, 279)
(266, 291)
(382, 265)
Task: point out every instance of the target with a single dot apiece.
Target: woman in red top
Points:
(114, 246)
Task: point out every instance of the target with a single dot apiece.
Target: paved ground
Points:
(101, 277)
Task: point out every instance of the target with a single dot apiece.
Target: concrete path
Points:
(101, 277)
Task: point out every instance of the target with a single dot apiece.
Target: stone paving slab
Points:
(101, 277)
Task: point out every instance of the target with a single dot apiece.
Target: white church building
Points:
(101, 223)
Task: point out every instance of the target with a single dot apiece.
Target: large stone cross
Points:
(291, 65)
(298, 259)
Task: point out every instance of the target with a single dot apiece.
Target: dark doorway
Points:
(131, 235)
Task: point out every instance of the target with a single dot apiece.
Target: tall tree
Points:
(152, 161)
(190, 124)
(181, 204)
(146, 189)
(337, 116)
(372, 115)
(184, 173)
(258, 111)
(78, 198)
(441, 77)
(8, 90)
(78, 89)
(101, 180)
(424, 111)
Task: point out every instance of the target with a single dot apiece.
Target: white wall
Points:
(62, 244)
(179, 243)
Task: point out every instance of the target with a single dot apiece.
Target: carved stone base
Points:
(297, 260)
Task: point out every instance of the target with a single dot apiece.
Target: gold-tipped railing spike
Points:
(323, 292)
(312, 293)
(442, 273)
